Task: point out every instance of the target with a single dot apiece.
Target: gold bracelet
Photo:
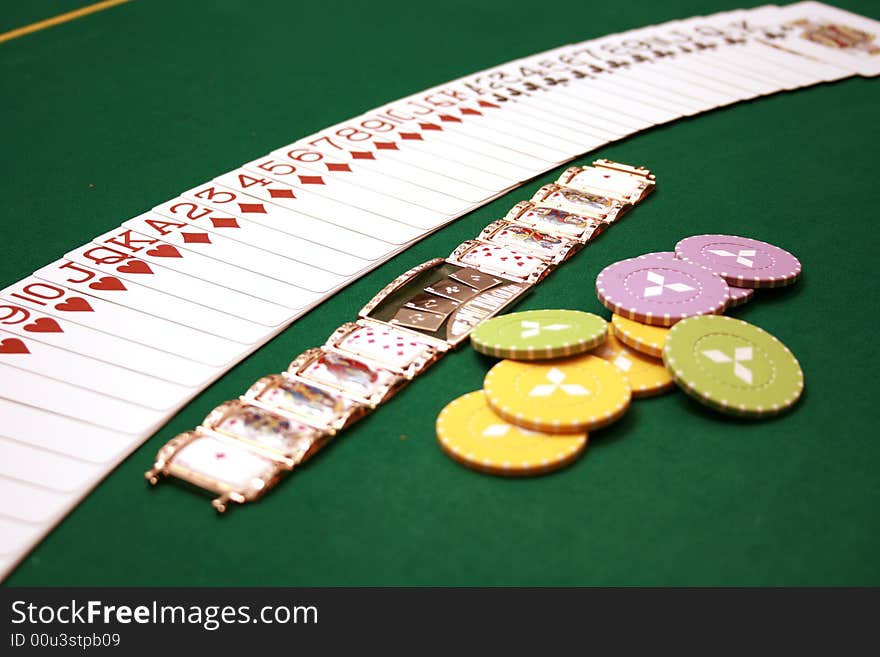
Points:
(244, 446)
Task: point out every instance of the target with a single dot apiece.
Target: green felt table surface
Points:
(106, 116)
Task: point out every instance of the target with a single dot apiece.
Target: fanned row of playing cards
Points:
(99, 349)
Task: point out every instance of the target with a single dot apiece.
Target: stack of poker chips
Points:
(667, 305)
(565, 373)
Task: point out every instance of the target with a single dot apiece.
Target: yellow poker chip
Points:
(472, 434)
(559, 396)
(641, 337)
(646, 376)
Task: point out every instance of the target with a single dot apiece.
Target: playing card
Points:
(590, 117)
(730, 55)
(534, 95)
(47, 462)
(659, 74)
(687, 105)
(558, 67)
(90, 320)
(525, 142)
(228, 207)
(621, 57)
(736, 50)
(546, 109)
(40, 467)
(598, 111)
(29, 503)
(766, 71)
(759, 56)
(15, 537)
(125, 269)
(85, 372)
(321, 207)
(427, 172)
(143, 237)
(423, 207)
(587, 92)
(759, 43)
(495, 161)
(722, 42)
(188, 213)
(686, 57)
(33, 325)
(567, 136)
(63, 398)
(826, 33)
(63, 435)
(636, 46)
(575, 87)
(675, 104)
(446, 201)
(338, 189)
(563, 67)
(153, 302)
(471, 127)
(711, 66)
(426, 142)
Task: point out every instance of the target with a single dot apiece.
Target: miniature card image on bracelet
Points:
(547, 247)
(389, 305)
(501, 260)
(395, 349)
(282, 437)
(452, 289)
(555, 221)
(217, 464)
(314, 405)
(360, 380)
(475, 279)
(625, 183)
(579, 201)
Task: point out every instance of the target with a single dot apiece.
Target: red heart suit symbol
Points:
(134, 267)
(74, 304)
(43, 325)
(13, 346)
(164, 251)
(107, 283)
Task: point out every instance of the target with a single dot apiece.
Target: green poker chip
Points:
(733, 366)
(540, 334)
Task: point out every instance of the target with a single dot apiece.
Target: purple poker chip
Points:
(660, 289)
(741, 261)
(739, 295)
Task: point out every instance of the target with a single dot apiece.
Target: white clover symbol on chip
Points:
(743, 256)
(556, 378)
(660, 284)
(740, 355)
(533, 329)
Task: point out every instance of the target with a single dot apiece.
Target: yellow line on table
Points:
(61, 18)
